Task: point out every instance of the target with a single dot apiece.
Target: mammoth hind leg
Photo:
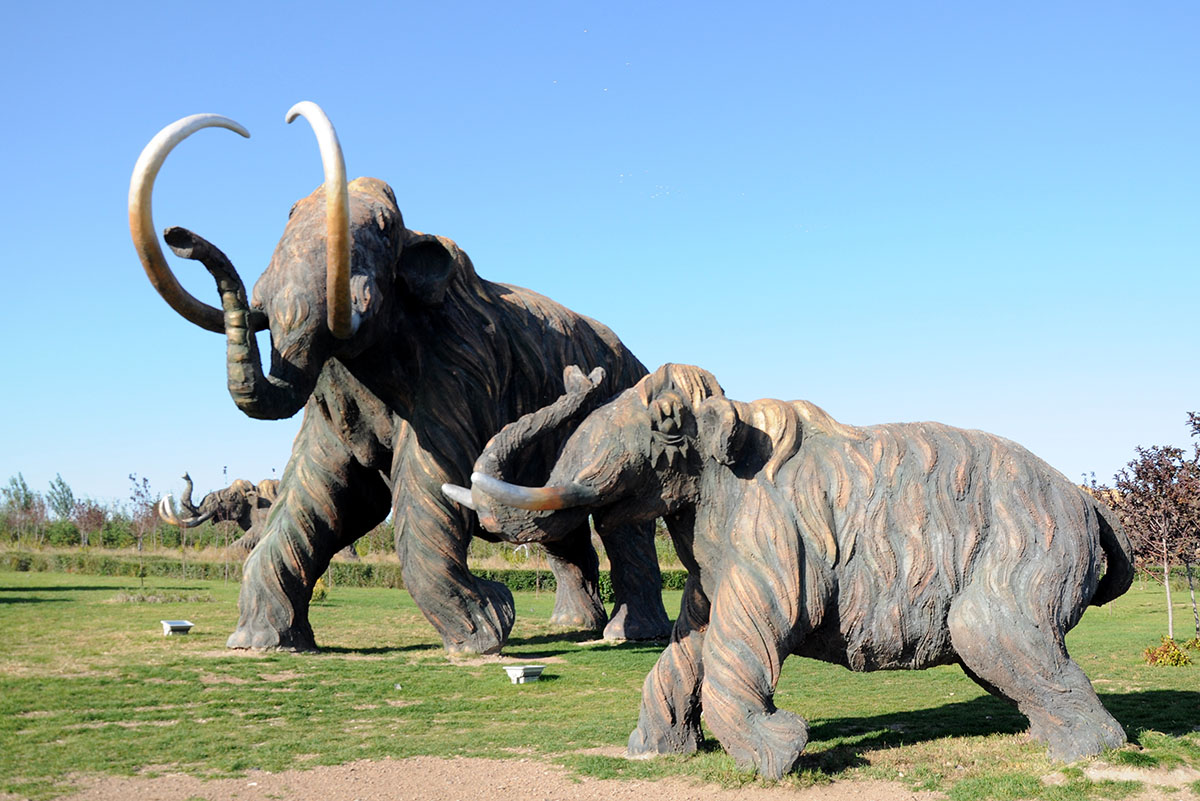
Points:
(576, 569)
(1007, 653)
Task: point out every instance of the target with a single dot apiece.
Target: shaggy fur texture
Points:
(481, 356)
(883, 547)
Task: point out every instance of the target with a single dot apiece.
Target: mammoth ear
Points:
(719, 430)
(426, 266)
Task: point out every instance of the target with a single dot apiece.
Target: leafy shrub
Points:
(20, 562)
(1192, 644)
(320, 591)
(1167, 654)
(62, 533)
(117, 533)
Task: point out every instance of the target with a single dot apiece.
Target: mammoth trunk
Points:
(266, 397)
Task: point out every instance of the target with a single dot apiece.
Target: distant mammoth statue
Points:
(884, 547)
(241, 502)
(405, 362)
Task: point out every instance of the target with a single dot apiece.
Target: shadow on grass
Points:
(569, 642)
(576, 639)
(1172, 712)
(378, 649)
(61, 588)
(1168, 711)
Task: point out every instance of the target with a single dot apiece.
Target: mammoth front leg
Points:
(751, 632)
(669, 720)
(326, 501)
(771, 593)
(638, 611)
(472, 615)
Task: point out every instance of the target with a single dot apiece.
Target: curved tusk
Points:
(460, 495)
(535, 498)
(337, 218)
(166, 510)
(141, 221)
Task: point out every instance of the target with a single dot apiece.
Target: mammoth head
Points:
(343, 269)
(233, 503)
(634, 458)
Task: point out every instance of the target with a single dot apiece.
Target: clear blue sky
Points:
(986, 216)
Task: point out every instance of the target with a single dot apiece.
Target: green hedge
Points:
(340, 574)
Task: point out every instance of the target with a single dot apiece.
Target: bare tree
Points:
(141, 508)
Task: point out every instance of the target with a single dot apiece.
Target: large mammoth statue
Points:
(885, 547)
(241, 502)
(405, 362)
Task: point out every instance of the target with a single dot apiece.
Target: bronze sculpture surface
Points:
(405, 362)
(896, 546)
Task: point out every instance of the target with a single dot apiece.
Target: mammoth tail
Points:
(1118, 575)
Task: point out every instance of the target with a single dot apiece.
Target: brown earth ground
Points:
(464, 779)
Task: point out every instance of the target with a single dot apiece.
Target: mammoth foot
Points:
(491, 618)
(1078, 737)
(646, 741)
(588, 620)
(771, 742)
(260, 638)
(635, 622)
(578, 606)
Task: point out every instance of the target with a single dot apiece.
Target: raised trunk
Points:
(266, 397)
(185, 500)
(513, 442)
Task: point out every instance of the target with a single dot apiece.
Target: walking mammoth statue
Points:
(884, 547)
(242, 503)
(405, 362)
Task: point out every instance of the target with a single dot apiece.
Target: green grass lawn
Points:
(89, 684)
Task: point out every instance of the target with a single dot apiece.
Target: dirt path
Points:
(434, 779)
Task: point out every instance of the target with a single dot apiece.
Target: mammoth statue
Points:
(405, 362)
(884, 547)
(241, 502)
(245, 504)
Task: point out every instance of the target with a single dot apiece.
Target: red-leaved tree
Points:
(1158, 499)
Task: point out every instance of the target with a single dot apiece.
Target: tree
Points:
(60, 498)
(141, 508)
(90, 517)
(25, 508)
(1158, 499)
